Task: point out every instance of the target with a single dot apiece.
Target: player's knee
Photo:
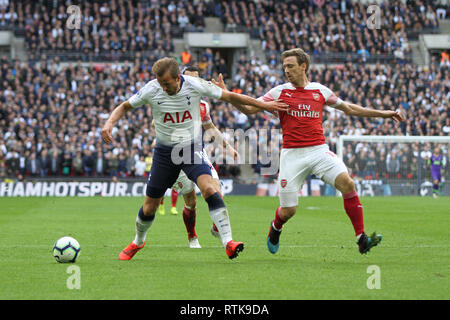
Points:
(287, 213)
(348, 186)
(208, 191)
(345, 184)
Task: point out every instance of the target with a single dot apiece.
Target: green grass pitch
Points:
(317, 259)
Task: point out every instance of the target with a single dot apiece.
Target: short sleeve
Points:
(272, 94)
(207, 88)
(330, 98)
(143, 96)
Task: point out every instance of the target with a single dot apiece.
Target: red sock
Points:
(354, 211)
(278, 221)
(174, 198)
(189, 222)
(162, 200)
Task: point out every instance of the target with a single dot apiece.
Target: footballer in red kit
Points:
(304, 150)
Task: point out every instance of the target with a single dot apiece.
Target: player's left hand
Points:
(219, 82)
(397, 115)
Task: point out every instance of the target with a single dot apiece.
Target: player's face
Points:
(294, 72)
(169, 84)
(437, 150)
(192, 73)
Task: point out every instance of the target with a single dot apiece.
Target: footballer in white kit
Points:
(183, 184)
(175, 103)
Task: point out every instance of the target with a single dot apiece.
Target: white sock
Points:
(222, 222)
(358, 236)
(273, 226)
(141, 230)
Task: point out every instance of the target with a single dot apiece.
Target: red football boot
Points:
(233, 248)
(130, 251)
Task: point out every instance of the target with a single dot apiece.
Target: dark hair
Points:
(302, 56)
(191, 69)
(166, 64)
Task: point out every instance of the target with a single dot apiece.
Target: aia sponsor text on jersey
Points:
(177, 117)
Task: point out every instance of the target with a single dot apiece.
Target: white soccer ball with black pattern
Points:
(66, 249)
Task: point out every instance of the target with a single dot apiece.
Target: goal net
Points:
(395, 165)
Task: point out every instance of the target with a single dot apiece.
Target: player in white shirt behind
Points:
(175, 103)
(185, 186)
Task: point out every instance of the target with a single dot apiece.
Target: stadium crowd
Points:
(51, 112)
(115, 29)
(339, 27)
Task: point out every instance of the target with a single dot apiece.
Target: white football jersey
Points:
(177, 117)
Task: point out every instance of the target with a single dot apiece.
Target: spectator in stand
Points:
(77, 164)
(33, 165)
(112, 164)
(66, 164)
(392, 165)
(445, 59)
(88, 162)
(140, 167)
(186, 57)
(99, 164)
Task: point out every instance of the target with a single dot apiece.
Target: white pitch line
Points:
(247, 245)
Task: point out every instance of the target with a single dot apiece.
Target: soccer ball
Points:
(66, 249)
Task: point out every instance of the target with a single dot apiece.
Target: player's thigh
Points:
(199, 171)
(436, 177)
(216, 183)
(328, 166)
(293, 172)
(163, 174)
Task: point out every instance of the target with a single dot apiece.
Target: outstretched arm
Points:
(241, 99)
(115, 116)
(216, 133)
(352, 109)
(249, 105)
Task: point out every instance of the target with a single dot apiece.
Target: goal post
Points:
(393, 165)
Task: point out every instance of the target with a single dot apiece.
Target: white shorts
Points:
(296, 164)
(214, 173)
(184, 185)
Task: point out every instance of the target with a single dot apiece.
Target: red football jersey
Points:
(302, 122)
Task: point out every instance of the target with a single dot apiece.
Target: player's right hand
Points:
(107, 133)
